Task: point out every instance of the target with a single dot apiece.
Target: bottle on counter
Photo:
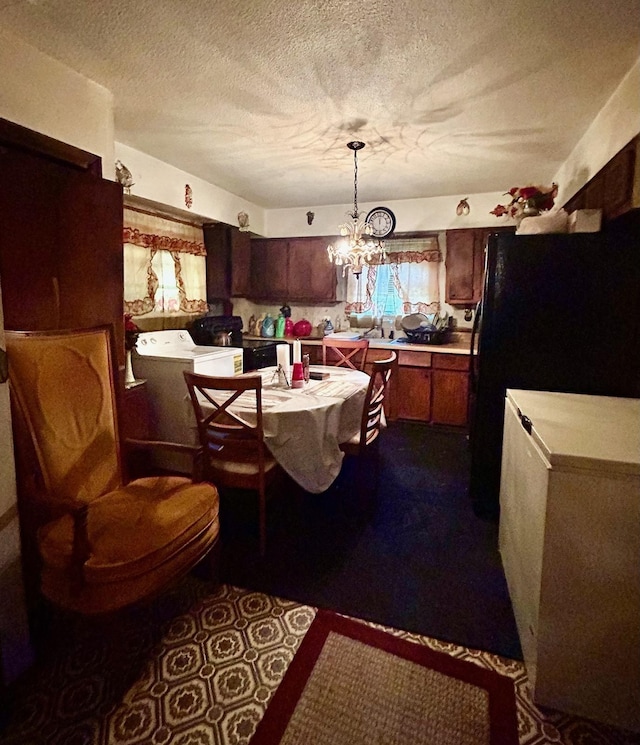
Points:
(267, 328)
(288, 327)
(280, 323)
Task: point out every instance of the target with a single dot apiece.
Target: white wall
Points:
(616, 124)
(39, 93)
(156, 180)
(436, 213)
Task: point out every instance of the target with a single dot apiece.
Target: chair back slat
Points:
(374, 400)
(350, 353)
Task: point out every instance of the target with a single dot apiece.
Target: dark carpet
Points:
(414, 557)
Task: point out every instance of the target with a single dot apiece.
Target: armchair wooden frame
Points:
(234, 452)
(345, 352)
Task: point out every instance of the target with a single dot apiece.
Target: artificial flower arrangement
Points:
(525, 199)
(131, 332)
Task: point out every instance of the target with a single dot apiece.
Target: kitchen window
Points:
(164, 270)
(408, 281)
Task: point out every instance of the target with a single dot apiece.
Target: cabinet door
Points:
(240, 263)
(218, 261)
(61, 248)
(90, 260)
(269, 269)
(312, 276)
(414, 393)
(460, 263)
(449, 392)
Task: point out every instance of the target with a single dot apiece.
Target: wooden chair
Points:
(373, 409)
(234, 452)
(345, 352)
(372, 416)
(93, 543)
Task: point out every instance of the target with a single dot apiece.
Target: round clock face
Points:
(382, 221)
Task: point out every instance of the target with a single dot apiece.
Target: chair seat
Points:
(134, 529)
(242, 468)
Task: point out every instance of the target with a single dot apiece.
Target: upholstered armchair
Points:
(93, 541)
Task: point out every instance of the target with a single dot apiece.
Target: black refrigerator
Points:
(558, 313)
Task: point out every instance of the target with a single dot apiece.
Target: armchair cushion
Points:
(133, 529)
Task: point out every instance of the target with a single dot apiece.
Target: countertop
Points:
(455, 347)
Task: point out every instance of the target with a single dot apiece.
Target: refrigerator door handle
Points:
(472, 355)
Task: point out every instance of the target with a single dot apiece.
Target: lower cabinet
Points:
(433, 388)
(413, 393)
(450, 389)
(135, 411)
(424, 387)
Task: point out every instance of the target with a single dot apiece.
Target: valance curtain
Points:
(407, 282)
(164, 266)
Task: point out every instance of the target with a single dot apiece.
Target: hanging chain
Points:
(355, 184)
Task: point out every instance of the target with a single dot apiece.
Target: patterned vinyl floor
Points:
(198, 668)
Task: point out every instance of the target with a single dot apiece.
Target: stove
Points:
(256, 353)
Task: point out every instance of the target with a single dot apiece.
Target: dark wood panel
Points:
(312, 276)
(459, 265)
(240, 263)
(218, 261)
(413, 399)
(269, 270)
(61, 262)
(449, 397)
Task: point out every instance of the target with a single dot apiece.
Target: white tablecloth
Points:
(303, 427)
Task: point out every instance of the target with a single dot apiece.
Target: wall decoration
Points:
(188, 196)
(463, 207)
(310, 216)
(243, 221)
(124, 176)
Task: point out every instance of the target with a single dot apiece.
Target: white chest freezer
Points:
(160, 357)
(570, 546)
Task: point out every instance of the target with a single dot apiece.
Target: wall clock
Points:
(382, 221)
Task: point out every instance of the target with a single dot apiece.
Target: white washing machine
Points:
(160, 357)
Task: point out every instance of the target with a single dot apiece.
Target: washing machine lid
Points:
(177, 344)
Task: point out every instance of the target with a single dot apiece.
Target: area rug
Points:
(350, 683)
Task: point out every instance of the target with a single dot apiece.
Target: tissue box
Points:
(585, 221)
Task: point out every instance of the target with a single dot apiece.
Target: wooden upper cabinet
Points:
(269, 270)
(615, 189)
(228, 261)
(312, 276)
(465, 263)
(240, 263)
(462, 263)
(292, 270)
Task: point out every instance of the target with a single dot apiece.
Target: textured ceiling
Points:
(261, 97)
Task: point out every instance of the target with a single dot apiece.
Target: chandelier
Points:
(356, 248)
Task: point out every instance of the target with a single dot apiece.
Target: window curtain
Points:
(407, 282)
(164, 269)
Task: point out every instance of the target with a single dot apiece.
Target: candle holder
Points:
(297, 378)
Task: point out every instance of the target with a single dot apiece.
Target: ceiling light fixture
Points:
(356, 249)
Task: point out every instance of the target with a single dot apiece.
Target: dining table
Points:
(303, 427)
